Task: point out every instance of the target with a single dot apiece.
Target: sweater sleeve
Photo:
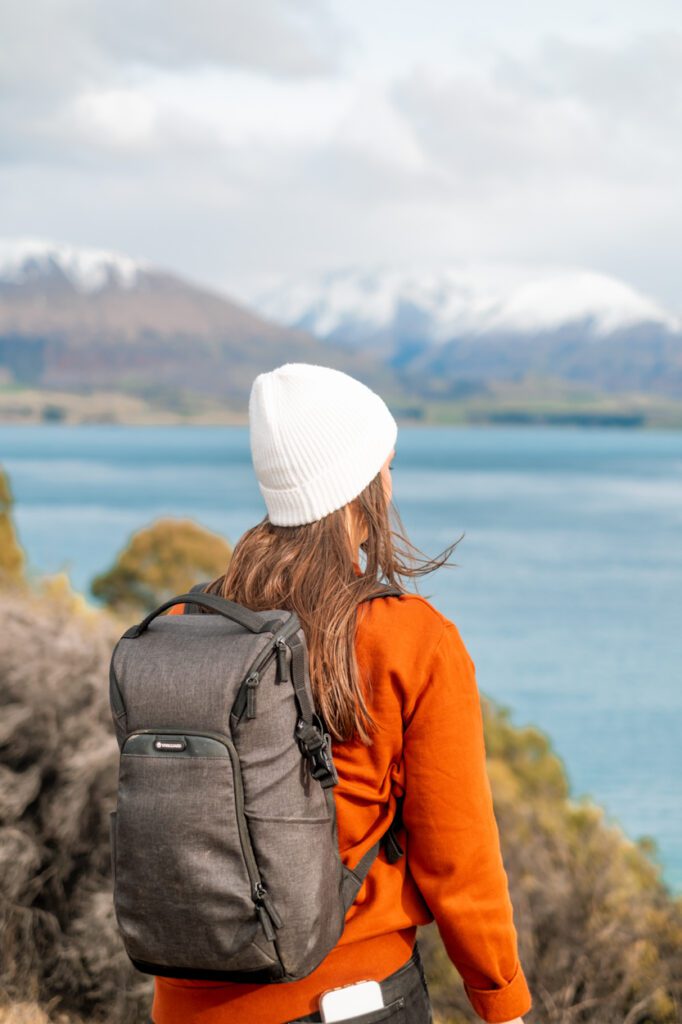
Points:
(453, 843)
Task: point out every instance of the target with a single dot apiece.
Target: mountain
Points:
(80, 319)
(483, 322)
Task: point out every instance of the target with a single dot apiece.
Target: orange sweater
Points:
(430, 746)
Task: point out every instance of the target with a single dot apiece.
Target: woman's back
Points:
(420, 688)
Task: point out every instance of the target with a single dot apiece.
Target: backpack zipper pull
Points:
(251, 684)
(282, 659)
(271, 909)
(266, 923)
(266, 911)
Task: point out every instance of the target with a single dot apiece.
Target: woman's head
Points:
(322, 446)
(318, 436)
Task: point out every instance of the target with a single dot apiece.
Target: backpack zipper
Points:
(283, 652)
(251, 683)
(266, 911)
(246, 694)
(265, 908)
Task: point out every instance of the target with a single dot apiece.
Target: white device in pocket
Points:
(351, 1001)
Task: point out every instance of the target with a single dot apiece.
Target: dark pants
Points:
(406, 998)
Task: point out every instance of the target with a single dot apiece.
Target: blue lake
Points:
(568, 589)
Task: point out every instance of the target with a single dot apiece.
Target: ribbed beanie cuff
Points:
(318, 436)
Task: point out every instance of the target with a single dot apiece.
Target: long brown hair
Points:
(309, 569)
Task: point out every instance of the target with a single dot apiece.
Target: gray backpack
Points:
(225, 854)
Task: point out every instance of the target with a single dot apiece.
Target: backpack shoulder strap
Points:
(354, 877)
(387, 590)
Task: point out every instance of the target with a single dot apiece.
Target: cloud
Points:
(72, 41)
(625, 81)
(279, 37)
(482, 137)
(86, 63)
(570, 113)
(226, 139)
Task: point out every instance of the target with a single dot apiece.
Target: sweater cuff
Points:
(496, 1005)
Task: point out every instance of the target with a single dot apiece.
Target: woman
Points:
(396, 687)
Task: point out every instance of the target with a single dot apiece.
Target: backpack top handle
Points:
(228, 609)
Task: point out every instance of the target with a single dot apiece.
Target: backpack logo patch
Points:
(171, 745)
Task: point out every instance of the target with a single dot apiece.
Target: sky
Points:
(233, 142)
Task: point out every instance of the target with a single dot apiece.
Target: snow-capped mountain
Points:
(397, 307)
(74, 318)
(468, 325)
(87, 270)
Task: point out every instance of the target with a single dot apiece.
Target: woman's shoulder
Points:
(407, 641)
(405, 619)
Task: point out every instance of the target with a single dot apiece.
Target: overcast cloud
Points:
(229, 140)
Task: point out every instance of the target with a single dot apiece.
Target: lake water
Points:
(568, 591)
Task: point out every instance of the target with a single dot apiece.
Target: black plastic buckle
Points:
(322, 767)
(315, 744)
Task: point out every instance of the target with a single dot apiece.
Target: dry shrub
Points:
(31, 1013)
(58, 769)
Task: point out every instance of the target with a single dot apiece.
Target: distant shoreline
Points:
(502, 407)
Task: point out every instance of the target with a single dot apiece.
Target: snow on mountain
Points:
(355, 306)
(393, 306)
(24, 260)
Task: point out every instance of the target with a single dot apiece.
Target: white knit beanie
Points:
(318, 437)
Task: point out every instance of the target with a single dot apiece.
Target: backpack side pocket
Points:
(183, 891)
(301, 867)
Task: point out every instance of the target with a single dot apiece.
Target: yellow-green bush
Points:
(160, 561)
(11, 554)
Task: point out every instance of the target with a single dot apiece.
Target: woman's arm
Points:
(453, 846)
